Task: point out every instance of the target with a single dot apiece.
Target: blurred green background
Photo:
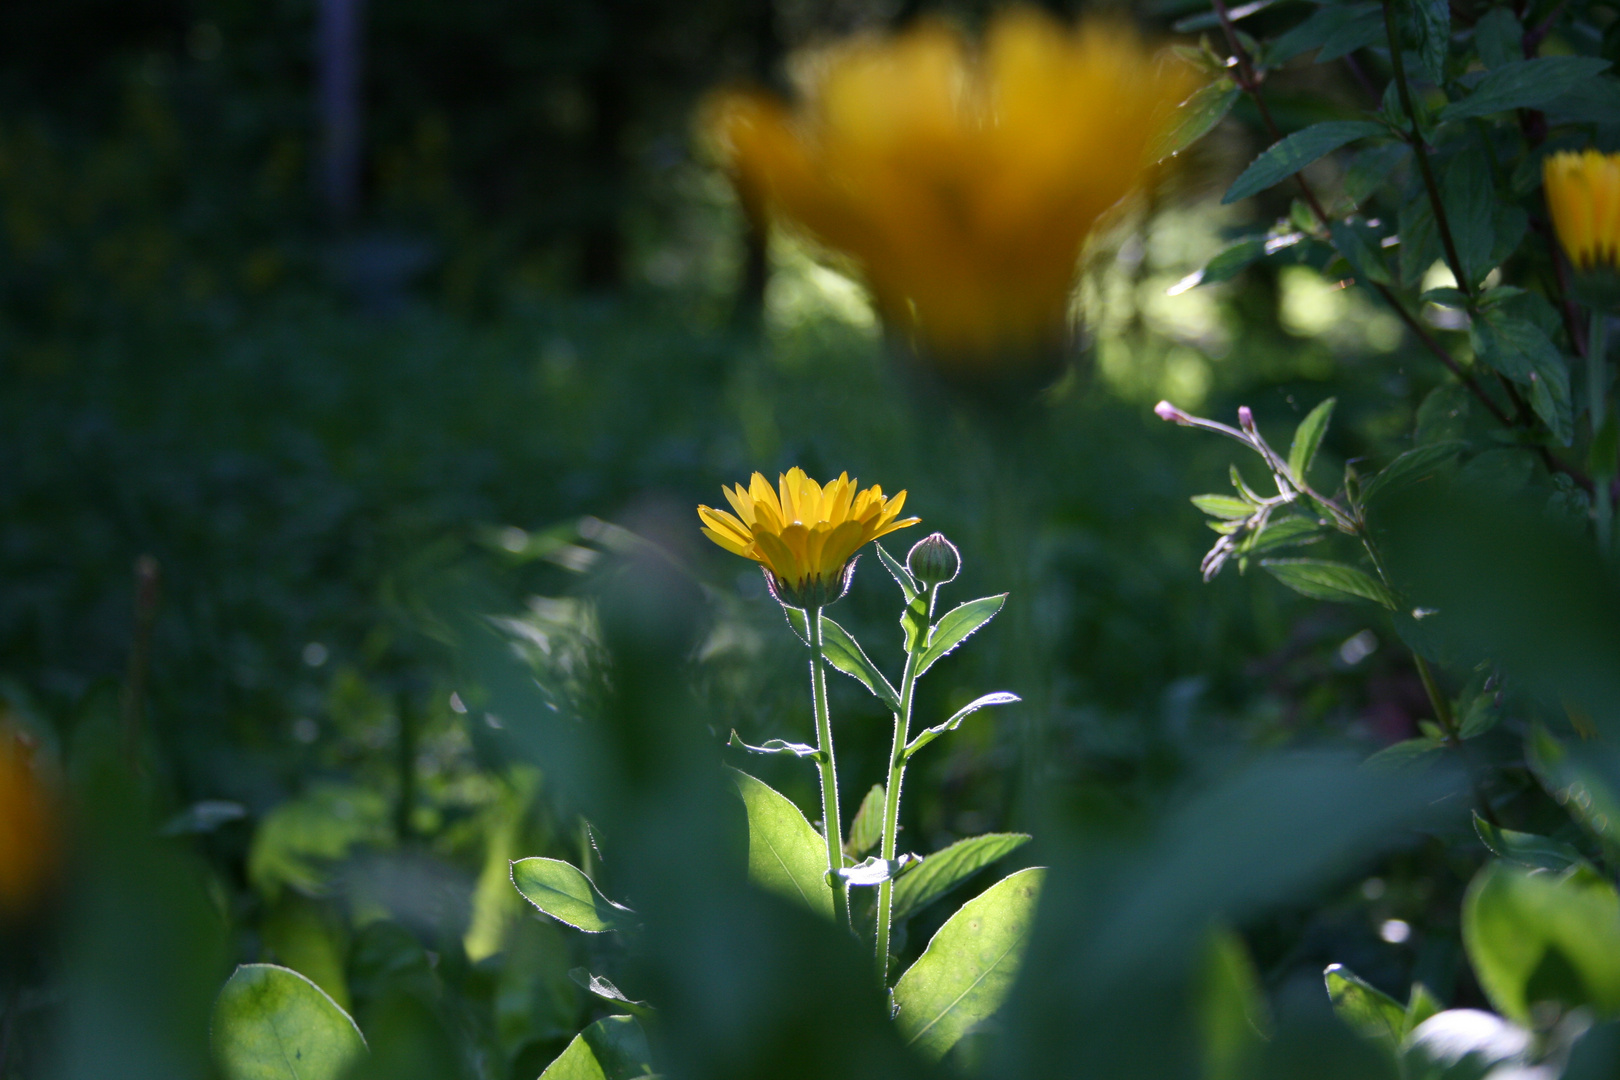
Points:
(343, 359)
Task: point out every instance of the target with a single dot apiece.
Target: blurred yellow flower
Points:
(802, 533)
(28, 835)
(1583, 194)
(962, 183)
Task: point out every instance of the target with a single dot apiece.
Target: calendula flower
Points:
(805, 535)
(962, 183)
(28, 834)
(1583, 194)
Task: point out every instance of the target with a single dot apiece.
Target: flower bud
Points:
(934, 560)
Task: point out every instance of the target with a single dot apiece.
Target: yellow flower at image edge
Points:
(804, 534)
(1583, 194)
(28, 834)
(962, 182)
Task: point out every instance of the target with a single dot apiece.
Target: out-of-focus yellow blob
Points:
(29, 850)
(1583, 194)
(962, 182)
(803, 534)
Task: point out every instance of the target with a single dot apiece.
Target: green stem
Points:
(1597, 394)
(830, 822)
(891, 797)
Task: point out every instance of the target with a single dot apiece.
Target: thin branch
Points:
(1420, 151)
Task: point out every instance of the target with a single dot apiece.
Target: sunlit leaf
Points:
(956, 625)
(613, 1048)
(1000, 697)
(1308, 437)
(271, 1023)
(564, 892)
(785, 854)
(939, 873)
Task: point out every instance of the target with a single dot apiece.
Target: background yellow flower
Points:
(1583, 194)
(963, 183)
(802, 533)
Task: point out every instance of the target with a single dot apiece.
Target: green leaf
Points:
(867, 828)
(1521, 350)
(1323, 580)
(1420, 239)
(776, 746)
(1524, 84)
(796, 619)
(955, 627)
(271, 1023)
(1293, 153)
(1359, 245)
(844, 653)
(1459, 1044)
(1405, 754)
(897, 570)
(1338, 22)
(1412, 467)
(785, 853)
(1534, 937)
(1358, 32)
(1420, 1005)
(1425, 28)
(564, 892)
(1498, 35)
(1527, 849)
(1223, 506)
(613, 1048)
(1196, 117)
(928, 735)
(1369, 1011)
(1225, 266)
(968, 968)
(604, 989)
(1231, 1008)
(1283, 532)
(1469, 196)
(942, 871)
(1308, 438)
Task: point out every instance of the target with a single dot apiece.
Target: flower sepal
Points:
(1599, 288)
(812, 593)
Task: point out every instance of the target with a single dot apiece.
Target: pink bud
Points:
(1245, 417)
(1167, 411)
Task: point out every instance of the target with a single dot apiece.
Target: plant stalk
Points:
(831, 824)
(891, 797)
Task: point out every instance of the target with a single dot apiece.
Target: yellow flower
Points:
(28, 842)
(803, 534)
(963, 184)
(1583, 193)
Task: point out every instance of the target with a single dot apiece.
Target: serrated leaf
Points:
(564, 892)
(613, 1048)
(955, 627)
(867, 828)
(1425, 28)
(1000, 697)
(1351, 240)
(1196, 117)
(1223, 506)
(1405, 754)
(776, 746)
(1308, 438)
(1411, 467)
(1323, 580)
(1369, 1011)
(1335, 20)
(271, 1023)
(1521, 350)
(1470, 202)
(1293, 153)
(1283, 532)
(939, 873)
(1535, 936)
(1524, 84)
(1527, 849)
(897, 570)
(1499, 36)
(785, 853)
(969, 966)
(1364, 29)
(844, 653)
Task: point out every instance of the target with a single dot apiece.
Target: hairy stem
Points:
(1597, 396)
(831, 824)
(891, 797)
